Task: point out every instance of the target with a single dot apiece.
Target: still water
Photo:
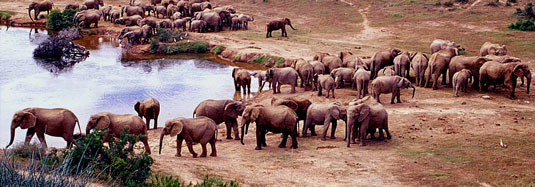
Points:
(107, 81)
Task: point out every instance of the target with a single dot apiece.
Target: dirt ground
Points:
(438, 139)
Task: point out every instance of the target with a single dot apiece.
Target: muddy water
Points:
(109, 80)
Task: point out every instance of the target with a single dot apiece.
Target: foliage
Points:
(217, 49)
(397, 15)
(32, 150)
(154, 44)
(269, 60)
(237, 58)
(60, 48)
(163, 181)
(58, 20)
(523, 25)
(462, 50)
(168, 35)
(166, 181)
(6, 14)
(526, 13)
(179, 47)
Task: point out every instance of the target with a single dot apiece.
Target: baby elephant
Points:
(361, 78)
(194, 130)
(324, 81)
(460, 80)
(390, 84)
(150, 109)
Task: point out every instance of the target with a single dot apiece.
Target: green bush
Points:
(154, 45)
(58, 20)
(462, 50)
(168, 35)
(397, 15)
(279, 62)
(163, 181)
(179, 47)
(523, 25)
(217, 49)
(6, 14)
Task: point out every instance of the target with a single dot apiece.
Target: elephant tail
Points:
(78, 122)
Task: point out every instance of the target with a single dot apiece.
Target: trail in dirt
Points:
(474, 4)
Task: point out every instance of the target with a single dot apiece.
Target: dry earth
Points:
(439, 140)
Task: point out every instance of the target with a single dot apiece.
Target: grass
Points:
(217, 49)
(179, 47)
(208, 181)
(269, 60)
(6, 14)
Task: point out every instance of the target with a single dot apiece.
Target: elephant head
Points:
(286, 21)
(136, 106)
(234, 109)
(23, 119)
(99, 121)
(290, 104)
(521, 70)
(172, 128)
(319, 56)
(405, 83)
(32, 6)
(394, 52)
(338, 112)
(356, 114)
(498, 50)
(250, 114)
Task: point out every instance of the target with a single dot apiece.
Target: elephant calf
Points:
(460, 80)
(201, 130)
(361, 78)
(150, 109)
(493, 49)
(390, 84)
(324, 114)
(324, 81)
(262, 79)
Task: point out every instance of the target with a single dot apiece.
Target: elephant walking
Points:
(324, 114)
(201, 130)
(390, 84)
(280, 76)
(150, 109)
(222, 111)
(37, 8)
(278, 24)
(277, 119)
(382, 59)
(361, 78)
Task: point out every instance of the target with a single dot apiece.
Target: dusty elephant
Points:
(149, 109)
(390, 84)
(73, 6)
(361, 79)
(127, 29)
(281, 76)
(241, 78)
(492, 49)
(472, 63)
(439, 44)
(199, 25)
(419, 64)
(213, 20)
(329, 61)
(349, 59)
(276, 119)
(300, 106)
(166, 24)
(341, 75)
(324, 82)
(438, 65)
(324, 114)
(160, 10)
(222, 111)
(402, 64)
(181, 23)
(495, 73)
(460, 80)
(382, 59)
(132, 10)
(106, 13)
(86, 18)
(93, 4)
(40, 7)
(244, 21)
(364, 115)
(58, 122)
(502, 59)
(201, 130)
(389, 71)
(114, 15)
(305, 71)
(116, 123)
(278, 24)
(133, 37)
(262, 79)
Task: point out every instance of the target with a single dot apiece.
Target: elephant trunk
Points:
(244, 129)
(413, 90)
(292, 27)
(528, 81)
(349, 126)
(262, 87)
(252, 18)
(29, 10)
(88, 129)
(161, 140)
(13, 127)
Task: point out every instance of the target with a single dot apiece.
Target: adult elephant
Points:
(116, 123)
(212, 18)
(503, 59)
(241, 78)
(262, 79)
(199, 25)
(342, 74)
(472, 63)
(439, 44)
(361, 79)
(419, 64)
(274, 25)
(363, 116)
(73, 6)
(382, 59)
(151, 22)
(127, 29)
(149, 109)
(166, 23)
(181, 23)
(438, 64)
(402, 64)
(132, 10)
(318, 67)
(390, 84)
(86, 18)
(222, 111)
(93, 4)
(281, 76)
(348, 59)
(133, 36)
(40, 7)
(171, 9)
(495, 73)
(194, 7)
(160, 10)
(58, 122)
(305, 71)
(324, 114)
(276, 119)
(114, 15)
(106, 13)
(155, 2)
(201, 130)
(492, 49)
(128, 21)
(329, 61)
(244, 21)
(300, 106)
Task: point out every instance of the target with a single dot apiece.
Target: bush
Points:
(523, 25)
(6, 14)
(269, 60)
(154, 45)
(58, 20)
(61, 50)
(168, 35)
(397, 15)
(32, 150)
(462, 50)
(179, 47)
(217, 49)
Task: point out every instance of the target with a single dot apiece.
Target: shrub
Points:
(397, 15)
(236, 58)
(462, 50)
(154, 44)
(60, 48)
(6, 14)
(58, 20)
(32, 150)
(523, 25)
(217, 49)
(438, 3)
(163, 181)
(448, 3)
(168, 35)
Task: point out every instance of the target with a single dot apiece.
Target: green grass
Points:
(268, 60)
(217, 49)
(526, 43)
(237, 58)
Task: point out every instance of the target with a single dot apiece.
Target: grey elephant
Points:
(439, 44)
(438, 64)
(419, 64)
(299, 105)
(147, 33)
(222, 111)
(281, 76)
(244, 21)
(114, 15)
(324, 82)
(58, 122)
(73, 6)
(171, 9)
(472, 63)
(349, 59)
(176, 15)
(389, 71)
(86, 18)
(235, 23)
(133, 37)
(495, 73)
(361, 79)
(160, 10)
(213, 19)
(492, 49)
(402, 64)
(329, 61)
(460, 80)
(390, 84)
(276, 119)
(502, 59)
(341, 75)
(93, 4)
(106, 13)
(116, 123)
(363, 116)
(199, 25)
(201, 130)
(382, 59)
(132, 10)
(318, 67)
(241, 78)
(305, 71)
(262, 79)
(274, 25)
(127, 29)
(149, 109)
(166, 24)
(128, 21)
(324, 114)
(45, 5)
(181, 23)
(151, 22)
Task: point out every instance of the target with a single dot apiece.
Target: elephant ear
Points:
(400, 83)
(177, 128)
(231, 109)
(28, 121)
(364, 112)
(136, 106)
(334, 112)
(103, 122)
(255, 112)
(519, 70)
(290, 104)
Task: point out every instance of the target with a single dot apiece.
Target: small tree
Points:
(58, 20)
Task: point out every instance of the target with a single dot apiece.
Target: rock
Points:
(357, 47)
(463, 103)
(497, 124)
(485, 97)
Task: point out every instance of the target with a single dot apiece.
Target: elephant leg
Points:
(333, 130)
(435, 79)
(234, 124)
(29, 135)
(147, 122)
(259, 132)
(444, 75)
(284, 138)
(179, 146)
(294, 135)
(189, 143)
(293, 88)
(398, 95)
(41, 137)
(212, 144)
(146, 144)
(156, 121)
(244, 86)
(305, 127)
(354, 130)
(203, 145)
(326, 125)
(313, 130)
(381, 134)
(229, 125)
(249, 86)
(385, 126)
(319, 91)
(394, 94)
(278, 87)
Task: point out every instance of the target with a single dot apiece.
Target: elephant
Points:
(329, 61)
(278, 24)
(160, 10)
(324, 114)
(199, 25)
(439, 44)
(166, 23)
(305, 71)
(155, 2)
(106, 13)
(93, 4)
(361, 79)
(171, 9)
(241, 78)
(318, 67)
(133, 36)
(222, 111)
(235, 23)
(262, 79)
(382, 59)
(276, 119)
(146, 8)
(149, 109)
(342, 74)
(365, 115)
(176, 15)
(132, 10)
(151, 22)
(201, 130)
(114, 15)
(460, 80)
(389, 71)
(37, 8)
(402, 64)
(493, 73)
(182, 7)
(281, 76)
(73, 6)
(128, 29)
(228, 8)
(438, 64)
(502, 59)
(194, 7)
(212, 19)
(472, 63)
(419, 64)
(300, 106)
(116, 123)
(181, 23)
(244, 21)
(390, 84)
(128, 21)
(58, 122)
(492, 49)
(86, 18)
(168, 2)
(147, 33)
(349, 59)
(324, 82)
(83, 7)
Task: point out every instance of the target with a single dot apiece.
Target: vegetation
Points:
(60, 50)
(178, 47)
(237, 58)
(269, 60)
(32, 150)
(526, 19)
(523, 25)
(58, 20)
(6, 14)
(167, 181)
(217, 49)
(168, 35)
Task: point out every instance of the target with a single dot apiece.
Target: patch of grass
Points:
(237, 58)
(269, 60)
(6, 14)
(526, 43)
(217, 49)
(397, 15)
(523, 25)
(178, 47)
